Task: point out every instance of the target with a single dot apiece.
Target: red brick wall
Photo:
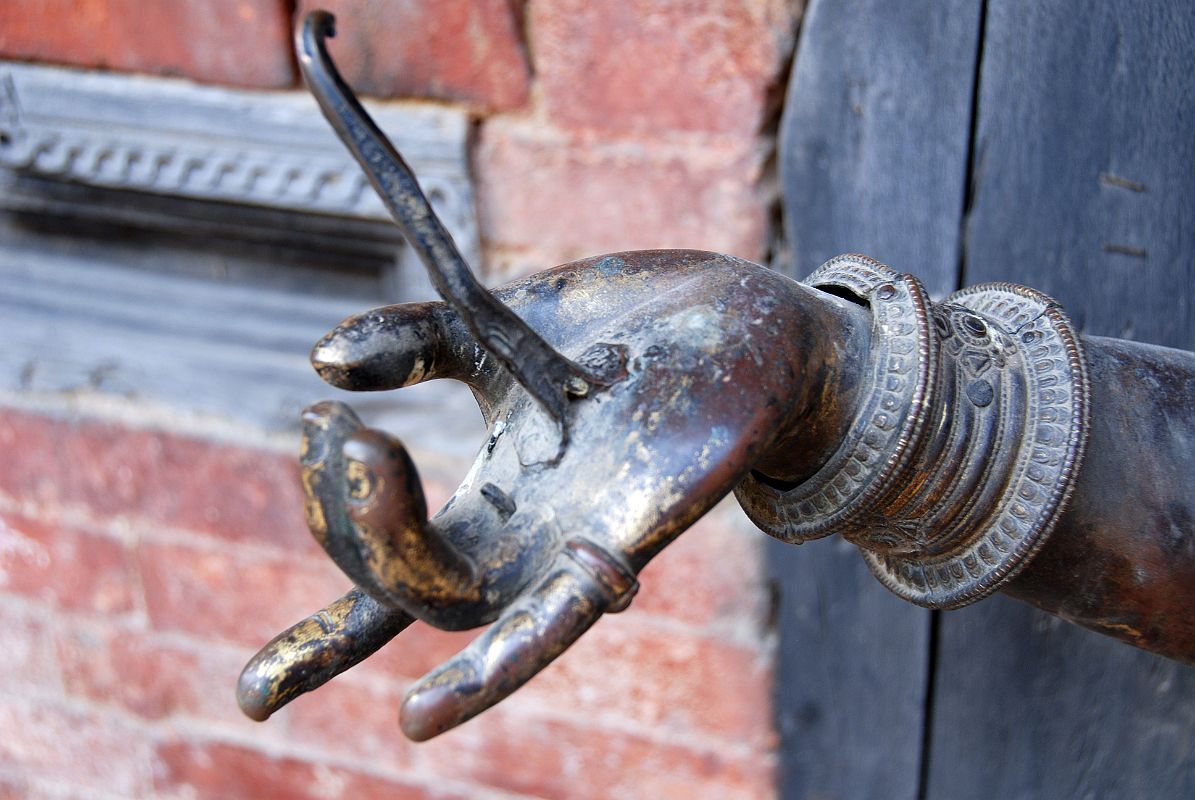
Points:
(140, 567)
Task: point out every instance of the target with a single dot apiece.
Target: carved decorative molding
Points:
(291, 240)
(266, 149)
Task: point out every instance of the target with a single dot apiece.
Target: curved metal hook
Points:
(547, 375)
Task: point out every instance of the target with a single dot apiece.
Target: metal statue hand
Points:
(625, 395)
(710, 361)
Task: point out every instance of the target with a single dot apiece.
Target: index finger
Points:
(584, 583)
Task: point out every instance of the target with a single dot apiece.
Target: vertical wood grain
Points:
(1083, 187)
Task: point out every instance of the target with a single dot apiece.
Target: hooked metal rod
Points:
(546, 374)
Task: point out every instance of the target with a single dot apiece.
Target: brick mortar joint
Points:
(21, 778)
(661, 734)
(66, 621)
(14, 606)
(145, 416)
(200, 732)
(140, 414)
(132, 530)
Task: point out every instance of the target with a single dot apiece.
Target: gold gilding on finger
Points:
(313, 509)
(363, 482)
(315, 650)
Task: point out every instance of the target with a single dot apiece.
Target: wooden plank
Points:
(184, 329)
(875, 135)
(1084, 186)
(1084, 179)
(873, 155)
(1028, 706)
(851, 676)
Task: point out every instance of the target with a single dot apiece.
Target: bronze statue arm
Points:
(627, 394)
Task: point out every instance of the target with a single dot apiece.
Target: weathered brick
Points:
(416, 651)
(74, 747)
(642, 706)
(644, 66)
(27, 645)
(150, 678)
(467, 51)
(238, 42)
(15, 787)
(556, 759)
(672, 681)
(546, 198)
(216, 769)
(709, 578)
(350, 719)
(18, 787)
(65, 566)
(232, 596)
(109, 470)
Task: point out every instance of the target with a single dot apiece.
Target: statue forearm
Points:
(967, 447)
(1121, 559)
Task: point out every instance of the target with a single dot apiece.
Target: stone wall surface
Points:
(142, 564)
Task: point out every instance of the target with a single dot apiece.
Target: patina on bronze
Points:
(966, 447)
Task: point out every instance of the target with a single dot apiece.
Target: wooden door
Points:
(1044, 142)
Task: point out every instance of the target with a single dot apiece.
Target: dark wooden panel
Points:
(875, 136)
(851, 677)
(1084, 186)
(873, 158)
(1031, 707)
(1084, 180)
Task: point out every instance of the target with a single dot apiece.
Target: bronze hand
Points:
(624, 395)
(627, 394)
